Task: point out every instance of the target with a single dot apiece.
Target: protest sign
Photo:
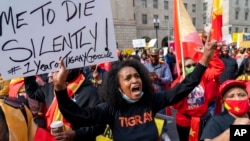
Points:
(152, 42)
(137, 43)
(35, 35)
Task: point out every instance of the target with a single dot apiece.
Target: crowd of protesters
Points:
(127, 94)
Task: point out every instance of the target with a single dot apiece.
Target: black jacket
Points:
(85, 96)
(136, 121)
(230, 70)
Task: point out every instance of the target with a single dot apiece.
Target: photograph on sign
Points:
(35, 35)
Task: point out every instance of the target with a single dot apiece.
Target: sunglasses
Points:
(190, 65)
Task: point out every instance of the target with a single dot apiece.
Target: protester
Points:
(17, 90)
(135, 57)
(241, 55)
(236, 104)
(4, 86)
(229, 62)
(95, 74)
(130, 103)
(159, 72)
(160, 75)
(243, 73)
(17, 124)
(144, 57)
(170, 58)
(194, 109)
(81, 91)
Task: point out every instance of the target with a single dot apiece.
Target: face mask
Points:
(129, 100)
(189, 70)
(237, 107)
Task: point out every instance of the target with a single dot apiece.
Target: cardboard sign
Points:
(35, 35)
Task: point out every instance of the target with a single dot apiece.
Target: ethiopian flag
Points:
(217, 20)
(186, 37)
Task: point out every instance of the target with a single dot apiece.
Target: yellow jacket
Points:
(4, 86)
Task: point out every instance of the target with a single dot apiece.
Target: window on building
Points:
(236, 29)
(204, 19)
(230, 30)
(246, 16)
(166, 5)
(166, 20)
(194, 21)
(193, 8)
(155, 4)
(246, 3)
(246, 30)
(236, 15)
(144, 3)
(237, 2)
(205, 6)
(186, 5)
(144, 19)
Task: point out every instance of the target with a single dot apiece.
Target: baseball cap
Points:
(230, 84)
(154, 51)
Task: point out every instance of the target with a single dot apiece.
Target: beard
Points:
(154, 63)
(223, 55)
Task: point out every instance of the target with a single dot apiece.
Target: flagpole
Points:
(212, 12)
(181, 39)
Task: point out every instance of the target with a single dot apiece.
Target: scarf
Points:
(15, 86)
(15, 121)
(53, 113)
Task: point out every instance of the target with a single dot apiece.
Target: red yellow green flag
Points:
(186, 37)
(217, 20)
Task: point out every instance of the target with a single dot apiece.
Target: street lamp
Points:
(156, 26)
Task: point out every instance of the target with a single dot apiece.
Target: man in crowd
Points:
(159, 71)
(81, 91)
(230, 64)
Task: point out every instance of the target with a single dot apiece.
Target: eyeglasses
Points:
(190, 65)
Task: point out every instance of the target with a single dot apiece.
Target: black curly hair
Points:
(109, 91)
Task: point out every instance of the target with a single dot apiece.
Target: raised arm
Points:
(181, 90)
(74, 114)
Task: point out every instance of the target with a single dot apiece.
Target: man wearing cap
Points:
(236, 104)
(159, 72)
(161, 77)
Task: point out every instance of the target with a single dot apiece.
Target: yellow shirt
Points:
(243, 77)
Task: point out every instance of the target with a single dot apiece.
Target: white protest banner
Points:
(227, 39)
(137, 43)
(36, 34)
(152, 42)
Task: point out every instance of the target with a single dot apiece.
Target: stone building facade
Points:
(236, 16)
(133, 19)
